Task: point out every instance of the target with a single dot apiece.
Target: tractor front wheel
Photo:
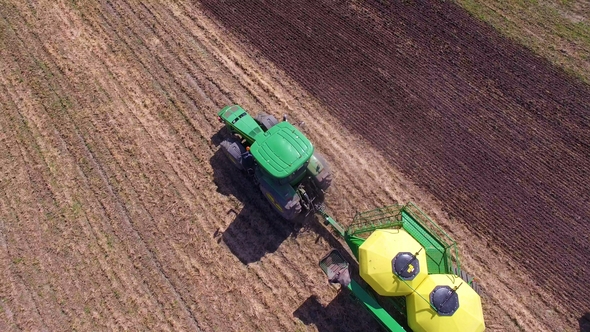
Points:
(266, 121)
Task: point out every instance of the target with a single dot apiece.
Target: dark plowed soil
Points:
(490, 129)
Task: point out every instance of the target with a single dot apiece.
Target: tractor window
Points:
(238, 118)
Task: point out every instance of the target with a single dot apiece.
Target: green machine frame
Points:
(441, 252)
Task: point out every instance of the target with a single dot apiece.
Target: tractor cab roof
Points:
(282, 150)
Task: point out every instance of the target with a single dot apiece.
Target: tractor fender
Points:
(319, 169)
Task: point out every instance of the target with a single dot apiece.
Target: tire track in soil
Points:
(44, 188)
(7, 320)
(87, 229)
(24, 257)
(466, 129)
(25, 303)
(152, 217)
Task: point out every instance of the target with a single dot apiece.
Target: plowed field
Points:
(118, 211)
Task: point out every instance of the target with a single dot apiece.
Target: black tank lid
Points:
(445, 300)
(405, 265)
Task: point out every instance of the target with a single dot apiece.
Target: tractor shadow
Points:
(584, 322)
(343, 313)
(256, 229)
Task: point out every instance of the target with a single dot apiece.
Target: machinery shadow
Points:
(584, 322)
(256, 229)
(315, 225)
(337, 315)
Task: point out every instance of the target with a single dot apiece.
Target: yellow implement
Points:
(392, 262)
(444, 303)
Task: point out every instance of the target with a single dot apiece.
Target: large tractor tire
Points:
(320, 170)
(234, 150)
(287, 208)
(266, 121)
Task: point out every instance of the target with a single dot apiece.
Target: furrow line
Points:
(55, 192)
(87, 151)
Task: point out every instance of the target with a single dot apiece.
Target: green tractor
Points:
(279, 159)
(410, 277)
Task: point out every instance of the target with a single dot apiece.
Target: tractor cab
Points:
(283, 152)
(280, 159)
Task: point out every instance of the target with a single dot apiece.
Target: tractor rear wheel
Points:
(266, 121)
(324, 177)
(287, 208)
(234, 150)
